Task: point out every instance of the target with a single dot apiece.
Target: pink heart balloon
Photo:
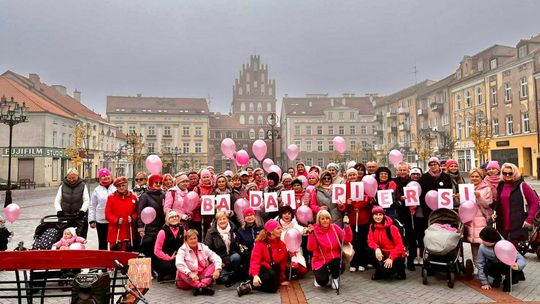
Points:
(370, 185)
(506, 252)
(242, 158)
(191, 202)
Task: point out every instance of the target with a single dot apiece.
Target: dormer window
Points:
(522, 51)
(493, 64)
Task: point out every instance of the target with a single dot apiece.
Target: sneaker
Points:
(208, 291)
(197, 291)
(352, 269)
(361, 269)
(335, 283)
(315, 283)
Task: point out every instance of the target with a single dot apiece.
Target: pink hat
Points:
(451, 162)
(271, 225)
(313, 175)
(102, 172)
(377, 209)
(433, 159)
(205, 172)
(493, 164)
(248, 211)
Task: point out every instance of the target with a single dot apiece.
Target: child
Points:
(489, 265)
(70, 238)
(5, 234)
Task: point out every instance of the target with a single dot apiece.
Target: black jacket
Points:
(427, 183)
(152, 199)
(214, 241)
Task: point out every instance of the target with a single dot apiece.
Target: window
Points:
(526, 126)
(131, 129)
(330, 130)
(319, 146)
(309, 161)
(523, 88)
(150, 148)
(198, 131)
(330, 146)
(353, 145)
(353, 115)
(319, 130)
(252, 134)
(63, 140)
(185, 148)
(268, 107)
(198, 148)
(363, 130)
(242, 106)
(259, 107)
(185, 131)
(522, 51)
(340, 115)
(479, 97)
(352, 129)
(54, 140)
(468, 98)
(151, 131)
(509, 125)
(260, 120)
(507, 92)
(468, 128)
(296, 130)
(330, 116)
(341, 130)
(167, 147)
(493, 64)
(242, 119)
(308, 130)
(493, 95)
(459, 130)
(261, 134)
(308, 145)
(458, 102)
(495, 126)
(251, 120)
(320, 162)
(251, 107)
(445, 119)
(298, 144)
(167, 130)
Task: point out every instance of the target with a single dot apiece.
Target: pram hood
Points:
(445, 216)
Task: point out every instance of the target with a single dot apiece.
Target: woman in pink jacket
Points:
(174, 198)
(484, 199)
(197, 265)
(325, 241)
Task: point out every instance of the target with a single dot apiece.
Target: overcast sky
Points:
(180, 48)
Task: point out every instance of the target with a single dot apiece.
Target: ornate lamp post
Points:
(134, 139)
(11, 113)
(272, 133)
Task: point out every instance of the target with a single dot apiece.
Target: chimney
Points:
(77, 95)
(34, 78)
(60, 89)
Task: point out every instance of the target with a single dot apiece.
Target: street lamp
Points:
(175, 151)
(134, 139)
(11, 113)
(272, 133)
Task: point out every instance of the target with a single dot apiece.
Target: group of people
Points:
(196, 250)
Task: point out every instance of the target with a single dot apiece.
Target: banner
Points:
(223, 202)
(287, 198)
(256, 200)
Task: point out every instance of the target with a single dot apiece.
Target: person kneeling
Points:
(489, 265)
(384, 238)
(268, 261)
(197, 265)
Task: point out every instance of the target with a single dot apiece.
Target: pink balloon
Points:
(292, 152)
(242, 158)
(12, 212)
(506, 252)
(153, 164)
(239, 207)
(275, 168)
(395, 157)
(417, 185)
(432, 199)
(228, 148)
(304, 181)
(293, 240)
(148, 215)
(190, 202)
(76, 246)
(467, 211)
(339, 144)
(370, 185)
(351, 164)
(310, 189)
(267, 163)
(259, 149)
(304, 215)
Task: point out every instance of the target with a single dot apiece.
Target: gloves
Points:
(82, 213)
(60, 213)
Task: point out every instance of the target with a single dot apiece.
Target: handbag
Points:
(347, 248)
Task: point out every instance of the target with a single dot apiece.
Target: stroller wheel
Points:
(424, 276)
(451, 279)
(469, 270)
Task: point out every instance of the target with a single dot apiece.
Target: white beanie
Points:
(72, 230)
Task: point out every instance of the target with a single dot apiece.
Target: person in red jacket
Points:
(121, 213)
(301, 169)
(385, 240)
(358, 213)
(324, 241)
(205, 187)
(268, 261)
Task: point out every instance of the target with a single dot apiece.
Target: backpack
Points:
(400, 228)
(46, 240)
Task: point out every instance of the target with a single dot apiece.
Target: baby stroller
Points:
(443, 242)
(533, 243)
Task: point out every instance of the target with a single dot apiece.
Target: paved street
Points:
(356, 288)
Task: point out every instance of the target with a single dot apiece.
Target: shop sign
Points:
(22, 152)
(502, 143)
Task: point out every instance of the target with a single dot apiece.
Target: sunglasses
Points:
(327, 178)
(139, 179)
(508, 173)
(158, 183)
(174, 216)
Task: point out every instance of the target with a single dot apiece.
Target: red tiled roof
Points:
(35, 103)
(220, 121)
(171, 105)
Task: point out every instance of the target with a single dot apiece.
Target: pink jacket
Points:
(174, 203)
(187, 262)
(483, 204)
(325, 245)
(68, 242)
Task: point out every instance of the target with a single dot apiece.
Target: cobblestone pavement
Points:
(355, 287)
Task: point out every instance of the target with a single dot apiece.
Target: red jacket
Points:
(378, 238)
(120, 206)
(326, 246)
(260, 257)
(201, 190)
(359, 212)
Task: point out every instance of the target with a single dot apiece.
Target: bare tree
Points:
(480, 137)
(76, 148)
(447, 144)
